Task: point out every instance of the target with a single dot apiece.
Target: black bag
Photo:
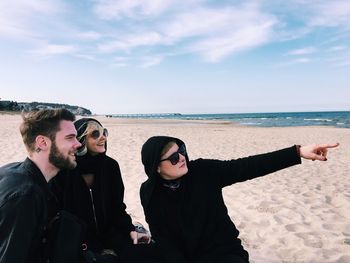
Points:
(65, 239)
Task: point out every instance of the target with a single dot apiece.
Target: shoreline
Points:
(174, 121)
(164, 121)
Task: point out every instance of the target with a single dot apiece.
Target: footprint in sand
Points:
(343, 259)
(296, 227)
(346, 241)
(268, 209)
(344, 228)
(336, 200)
(311, 239)
(279, 220)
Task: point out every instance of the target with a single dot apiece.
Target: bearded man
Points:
(26, 203)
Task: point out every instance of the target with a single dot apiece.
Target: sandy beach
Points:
(301, 214)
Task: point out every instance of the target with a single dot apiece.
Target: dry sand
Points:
(301, 214)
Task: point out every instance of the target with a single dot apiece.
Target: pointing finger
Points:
(329, 145)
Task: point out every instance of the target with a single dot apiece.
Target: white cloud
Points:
(303, 51)
(301, 60)
(120, 59)
(151, 61)
(215, 49)
(330, 13)
(119, 65)
(201, 22)
(89, 35)
(17, 17)
(338, 37)
(222, 32)
(25, 7)
(15, 31)
(344, 63)
(112, 9)
(336, 48)
(301, 18)
(213, 32)
(84, 56)
(341, 60)
(146, 28)
(131, 41)
(51, 49)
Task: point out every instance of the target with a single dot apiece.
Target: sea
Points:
(340, 119)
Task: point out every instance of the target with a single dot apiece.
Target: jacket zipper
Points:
(93, 208)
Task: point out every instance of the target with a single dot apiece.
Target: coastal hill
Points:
(6, 105)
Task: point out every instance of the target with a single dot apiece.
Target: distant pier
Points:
(145, 115)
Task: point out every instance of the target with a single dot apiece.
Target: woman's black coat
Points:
(113, 223)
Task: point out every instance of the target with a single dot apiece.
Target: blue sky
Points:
(162, 56)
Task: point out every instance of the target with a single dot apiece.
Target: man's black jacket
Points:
(25, 206)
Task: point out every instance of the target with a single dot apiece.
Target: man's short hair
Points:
(44, 122)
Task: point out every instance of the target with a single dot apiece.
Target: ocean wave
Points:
(251, 123)
(327, 120)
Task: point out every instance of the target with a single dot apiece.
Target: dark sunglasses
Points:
(96, 133)
(175, 157)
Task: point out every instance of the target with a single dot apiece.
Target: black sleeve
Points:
(239, 170)
(121, 217)
(18, 227)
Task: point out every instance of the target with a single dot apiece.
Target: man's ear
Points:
(41, 143)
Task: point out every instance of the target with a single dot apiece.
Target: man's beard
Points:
(57, 159)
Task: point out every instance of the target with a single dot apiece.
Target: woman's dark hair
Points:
(167, 147)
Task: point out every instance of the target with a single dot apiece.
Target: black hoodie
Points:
(100, 206)
(191, 224)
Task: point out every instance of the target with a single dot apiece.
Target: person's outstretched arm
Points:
(239, 170)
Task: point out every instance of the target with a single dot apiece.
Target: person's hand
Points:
(138, 238)
(316, 151)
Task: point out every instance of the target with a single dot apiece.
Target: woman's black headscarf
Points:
(150, 155)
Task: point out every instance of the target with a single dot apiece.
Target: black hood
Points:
(80, 126)
(150, 155)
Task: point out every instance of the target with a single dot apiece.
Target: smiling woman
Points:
(96, 138)
(94, 192)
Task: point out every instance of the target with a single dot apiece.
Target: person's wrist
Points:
(298, 146)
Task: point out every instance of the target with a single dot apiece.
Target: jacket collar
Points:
(37, 176)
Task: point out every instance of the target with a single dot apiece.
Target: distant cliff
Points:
(6, 105)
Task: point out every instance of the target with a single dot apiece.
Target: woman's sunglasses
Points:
(97, 133)
(175, 157)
